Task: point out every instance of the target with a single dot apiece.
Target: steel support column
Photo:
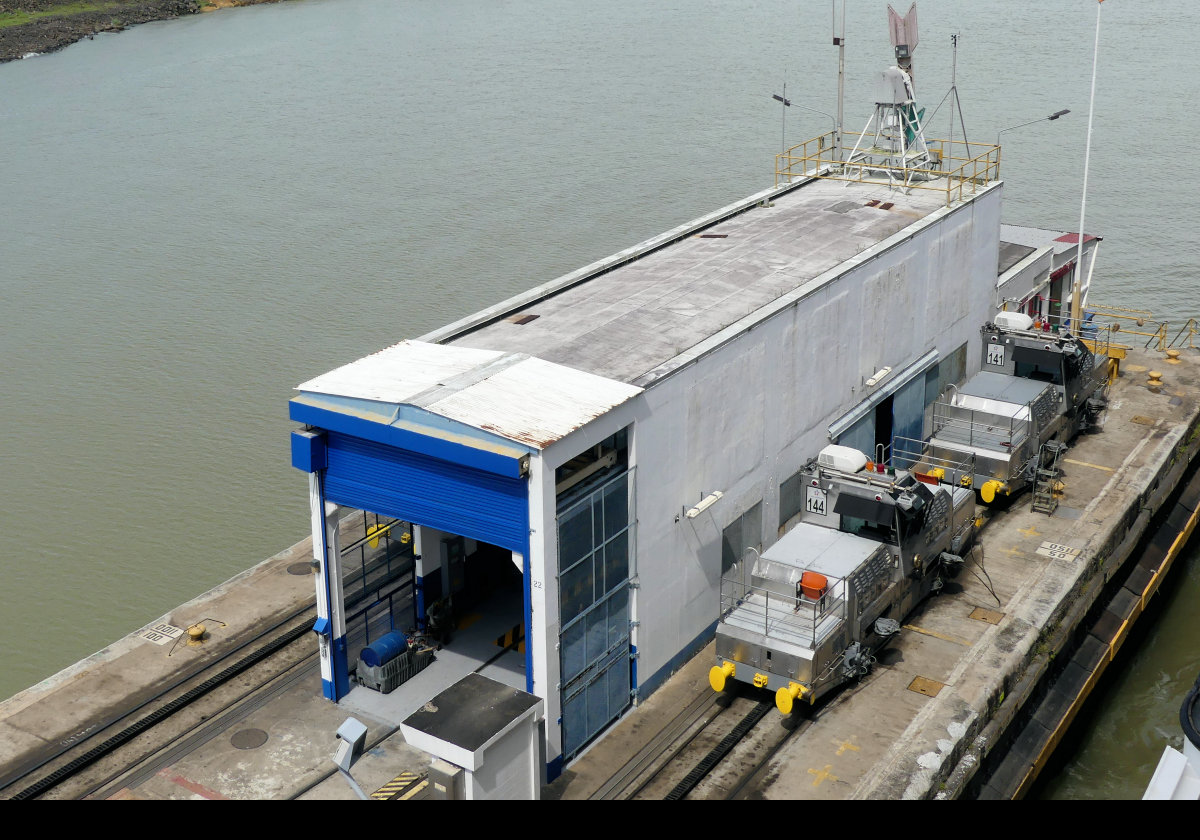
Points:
(331, 614)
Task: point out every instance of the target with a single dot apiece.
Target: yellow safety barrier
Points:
(975, 164)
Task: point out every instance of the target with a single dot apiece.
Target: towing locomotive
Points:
(1036, 390)
(820, 602)
(874, 540)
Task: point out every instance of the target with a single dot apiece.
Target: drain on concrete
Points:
(926, 686)
(990, 616)
(300, 569)
(248, 739)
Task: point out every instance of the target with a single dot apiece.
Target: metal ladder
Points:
(1044, 500)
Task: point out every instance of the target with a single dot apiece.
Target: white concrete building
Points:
(624, 433)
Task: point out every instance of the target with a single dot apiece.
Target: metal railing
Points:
(979, 428)
(915, 456)
(952, 171)
(760, 606)
(1143, 323)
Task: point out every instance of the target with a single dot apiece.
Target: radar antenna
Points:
(904, 37)
(892, 144)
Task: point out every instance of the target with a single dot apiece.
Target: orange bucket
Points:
(813, 585)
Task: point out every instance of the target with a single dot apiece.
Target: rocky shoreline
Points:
(54, 30)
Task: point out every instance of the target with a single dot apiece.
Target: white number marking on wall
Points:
(995, 354)
(160, 634)
(815, 500)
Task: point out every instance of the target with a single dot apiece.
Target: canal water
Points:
(196, 215)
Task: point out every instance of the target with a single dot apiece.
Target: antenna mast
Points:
(839, 41)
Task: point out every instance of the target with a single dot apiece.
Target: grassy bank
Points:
(41, 26)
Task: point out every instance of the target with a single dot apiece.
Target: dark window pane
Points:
(574, 536)
(597, 705)
(618, 616)
(576, 591)
(597, 632)
(616, 562)
(616, 507)
(573, 652)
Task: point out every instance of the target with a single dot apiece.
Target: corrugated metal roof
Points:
(516, 396)
(398, 373)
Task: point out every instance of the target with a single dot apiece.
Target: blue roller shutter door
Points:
(428, 491)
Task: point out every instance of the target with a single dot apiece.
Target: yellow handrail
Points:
(818, 158)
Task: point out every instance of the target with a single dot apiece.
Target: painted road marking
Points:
(937, 635)
(1086, 464)
(845, 745)
(1012, 550)
(1031, 531)
(416, 791)
(398, 786)
(1057, 551)
(822, 774)
(161, 633)
(187, 784)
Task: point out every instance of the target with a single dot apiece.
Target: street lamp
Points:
(787, 103)
(1053, 116)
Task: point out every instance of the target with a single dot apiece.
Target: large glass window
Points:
(594, 547)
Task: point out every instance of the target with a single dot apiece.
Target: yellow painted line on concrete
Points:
(938, 635)
(846, 745)
(1031, 531)
(822, 774)
(401, 783)
(1086, 464)
(415, 791)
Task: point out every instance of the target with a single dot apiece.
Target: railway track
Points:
(203, 702)
(77, 768)
(716, 747)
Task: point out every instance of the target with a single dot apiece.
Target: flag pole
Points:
(1077, 290)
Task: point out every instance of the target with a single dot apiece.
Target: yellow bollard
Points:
(785, 697)
(718, 674)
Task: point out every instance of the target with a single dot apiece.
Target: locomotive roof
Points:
(815, 548)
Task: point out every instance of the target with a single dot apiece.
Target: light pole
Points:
(787, 103)
(1053, 116)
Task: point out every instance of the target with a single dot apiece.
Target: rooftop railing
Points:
(950, 167)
